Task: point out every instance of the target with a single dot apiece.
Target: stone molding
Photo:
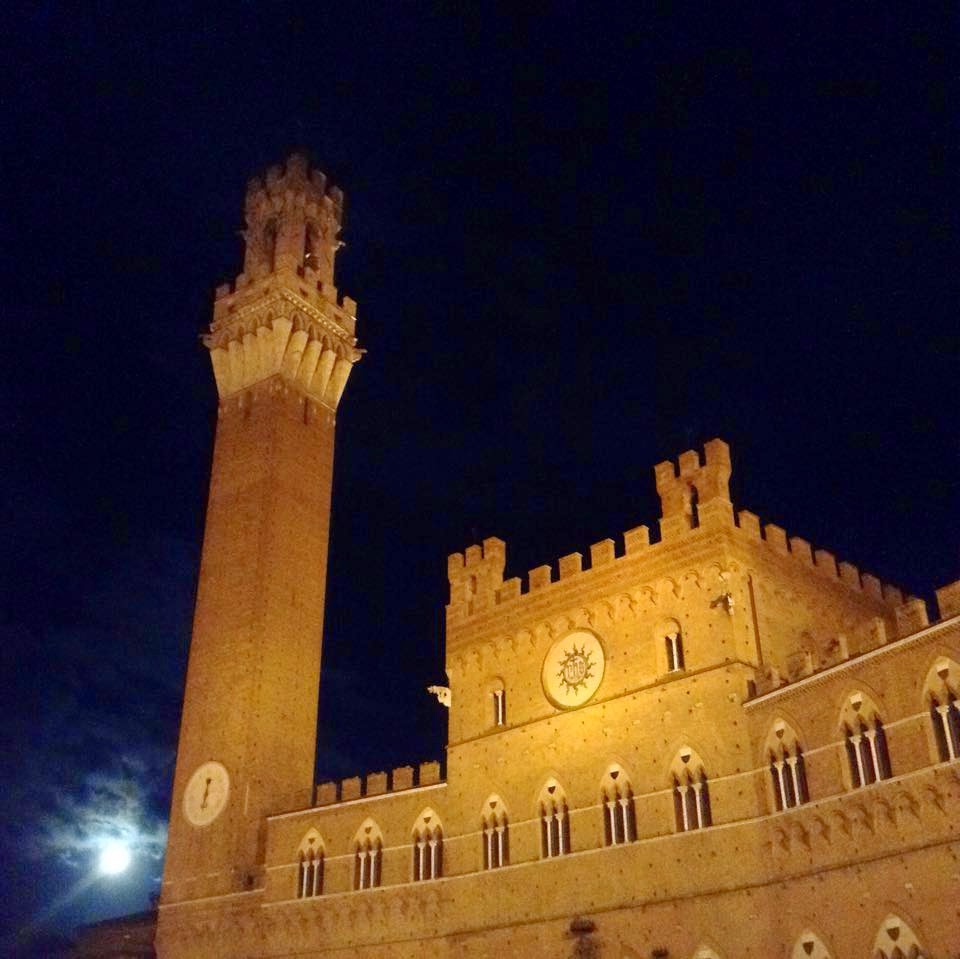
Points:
(315, 357)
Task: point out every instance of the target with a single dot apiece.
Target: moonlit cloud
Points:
(91, 736)
(114, 805)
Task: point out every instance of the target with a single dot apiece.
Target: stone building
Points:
(708, 742)
(129, 937)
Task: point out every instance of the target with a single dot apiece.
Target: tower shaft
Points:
(282, 348)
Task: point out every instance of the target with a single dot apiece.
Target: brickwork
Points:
(643, 807)
(250, 703)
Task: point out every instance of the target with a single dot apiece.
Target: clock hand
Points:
(206, 793)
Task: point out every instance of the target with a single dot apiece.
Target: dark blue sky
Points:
(581, 243)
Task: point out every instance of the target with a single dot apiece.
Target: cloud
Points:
(107, 805)
(90, 732)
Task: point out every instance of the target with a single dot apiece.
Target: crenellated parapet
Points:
(293, 220)
(476, 576)
(695, 493)
(821, 561)
(377, 784)
(282, 316)
(695, 498)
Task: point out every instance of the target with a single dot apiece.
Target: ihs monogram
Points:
(575, 669)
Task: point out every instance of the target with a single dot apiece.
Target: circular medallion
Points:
(573, 669)
(206, 793)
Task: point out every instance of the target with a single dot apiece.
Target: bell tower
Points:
(282, 346)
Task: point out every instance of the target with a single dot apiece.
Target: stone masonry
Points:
(750, 750)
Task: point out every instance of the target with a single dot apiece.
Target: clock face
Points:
(206, 793)
(573, 669)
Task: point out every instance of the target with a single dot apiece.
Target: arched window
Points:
(705, 952)
(691, 792)
(310, 868)
(368, 856)
(619, 815)
(787, 767)
(896, 940)
(866, 742)
(427, 847)
(496, 834)
(554, 821)
(809, 946)
(941, 692)
(673, 645)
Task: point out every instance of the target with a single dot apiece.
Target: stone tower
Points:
(282, 347)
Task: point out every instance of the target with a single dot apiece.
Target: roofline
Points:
(353, 802)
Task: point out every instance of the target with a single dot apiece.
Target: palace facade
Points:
(707, 740)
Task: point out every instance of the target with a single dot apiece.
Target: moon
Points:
(114, 858)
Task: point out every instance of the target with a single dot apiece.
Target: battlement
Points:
(379, 783)
(476, 575)
(283, 315)
(694, 494)
(821, 561)
(294, 182)
(293, 220)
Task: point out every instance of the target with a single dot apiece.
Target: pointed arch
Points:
(310, 860)
(896, 940)
(427, 846)
(554, 820)
(865, 739)
(941, 693)
(691, 791)
(495, 828)
(809, 946)
(787, 765)
(368, 856)
(619, 813)
(857, 703)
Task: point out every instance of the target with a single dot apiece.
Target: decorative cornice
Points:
(643, 566)
(315, 357)
(223, 330)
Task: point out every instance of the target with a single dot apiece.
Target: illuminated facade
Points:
(721, 744)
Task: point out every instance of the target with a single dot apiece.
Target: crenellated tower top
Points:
(282, 315)
(293, 222)
(700, 494)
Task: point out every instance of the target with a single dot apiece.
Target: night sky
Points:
(581, 244)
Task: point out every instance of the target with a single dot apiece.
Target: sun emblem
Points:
(575, 669)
